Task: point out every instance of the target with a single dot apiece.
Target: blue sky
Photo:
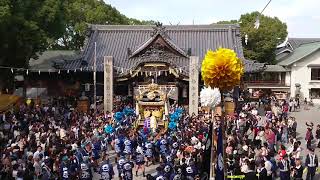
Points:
(301, 16)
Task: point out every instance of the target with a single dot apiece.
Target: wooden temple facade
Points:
(140, 55)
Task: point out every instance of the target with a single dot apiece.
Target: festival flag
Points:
(220, 168)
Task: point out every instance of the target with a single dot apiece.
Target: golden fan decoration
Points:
(222, 69)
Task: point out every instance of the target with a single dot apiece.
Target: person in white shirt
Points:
(268, 166)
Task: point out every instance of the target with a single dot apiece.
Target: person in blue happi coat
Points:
(106, 168)
(168, 167)
(118, 146)
(140, 160)
(191, 170)
(65, 169)
(148, 152)
(127, 146)
(127, 169)
(85, 170)
(74, 165)
(120, 163)
(177, 174)
(159, 174)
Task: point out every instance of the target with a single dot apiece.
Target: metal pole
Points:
(95, 80)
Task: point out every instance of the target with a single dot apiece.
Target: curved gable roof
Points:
(116, 40)
(299, 53)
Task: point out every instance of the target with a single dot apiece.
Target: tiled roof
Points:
(48, 59)
(299, 53)
(275, 68)
(253, 66)
(115, 40)
(297, 42)
(291, 44)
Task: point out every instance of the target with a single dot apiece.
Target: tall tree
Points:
(262, 41)
(27, 27)
(80, 13)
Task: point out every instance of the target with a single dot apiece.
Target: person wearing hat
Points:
(311, 163)
(284, 166)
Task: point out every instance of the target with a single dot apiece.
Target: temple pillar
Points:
(108, 84)
(193, 85)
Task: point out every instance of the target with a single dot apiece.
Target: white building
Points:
(297, 71)
(301, 57)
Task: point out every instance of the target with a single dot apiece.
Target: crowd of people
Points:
(58, 142)
(265, 146)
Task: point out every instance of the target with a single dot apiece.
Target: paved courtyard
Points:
(302, 116)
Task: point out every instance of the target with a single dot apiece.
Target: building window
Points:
(315, 93)
(315, 74)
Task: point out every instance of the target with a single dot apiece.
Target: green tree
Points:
(26, 28)
(80, 13)
(263, 41)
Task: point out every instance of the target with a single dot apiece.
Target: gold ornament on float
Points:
(151, 95)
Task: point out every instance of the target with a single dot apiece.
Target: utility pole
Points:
(95, 80)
